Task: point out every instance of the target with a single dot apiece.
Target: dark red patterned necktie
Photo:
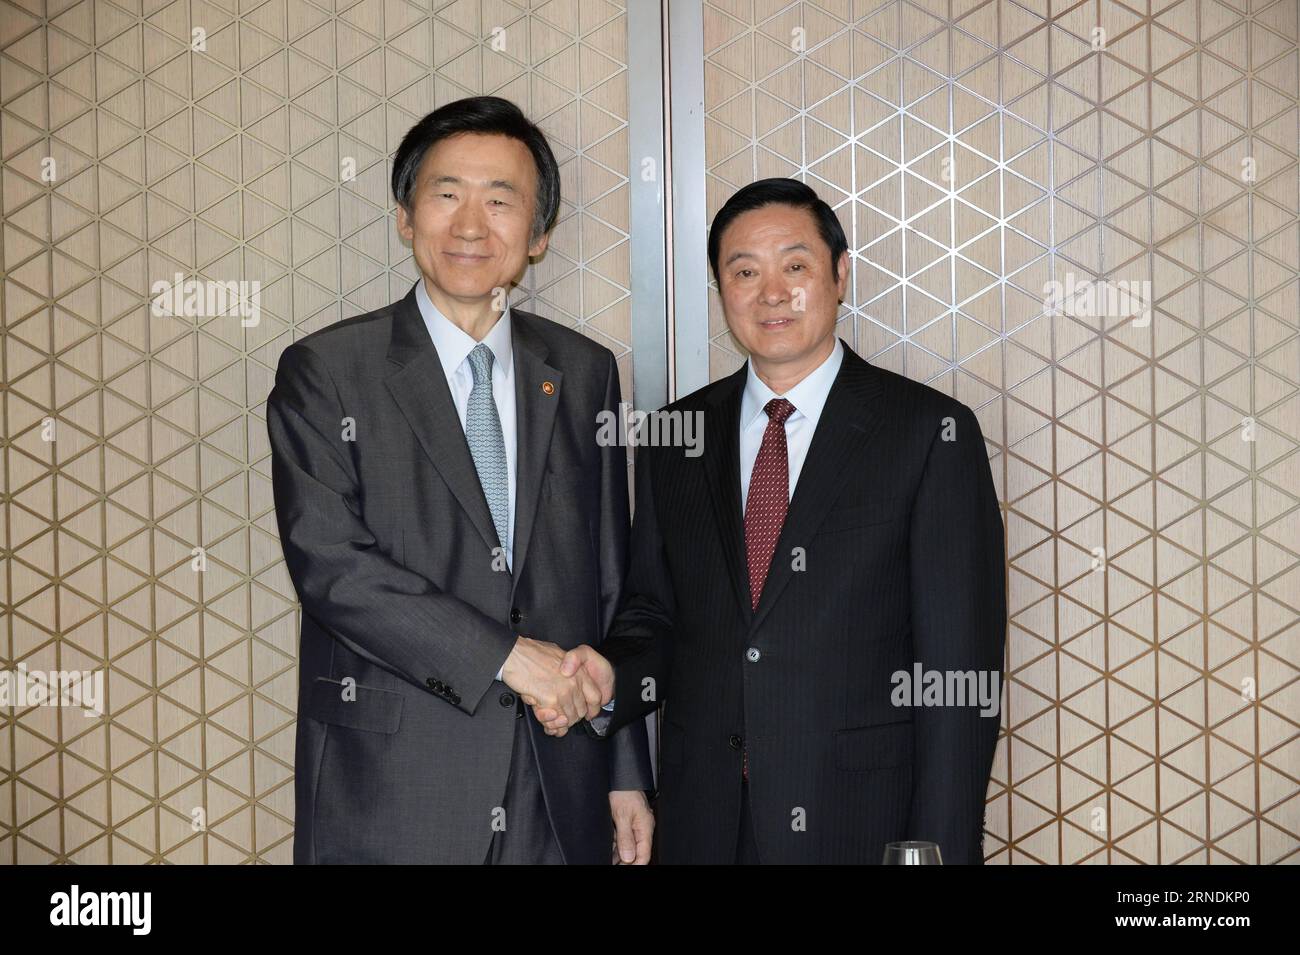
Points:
(769, 496)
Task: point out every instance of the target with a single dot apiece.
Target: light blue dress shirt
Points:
(454, 345)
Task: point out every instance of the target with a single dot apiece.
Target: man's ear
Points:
(536, 249)
(842, 273)
(405, 228)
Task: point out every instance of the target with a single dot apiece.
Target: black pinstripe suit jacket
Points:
(891, 555)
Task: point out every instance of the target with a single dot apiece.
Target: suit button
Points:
(507, 699)
(515, 615)
(733, 741)
(455, 699)
(431, 683)
(752, 654)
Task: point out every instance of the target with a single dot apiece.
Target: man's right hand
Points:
(579, 661)
(533, 671)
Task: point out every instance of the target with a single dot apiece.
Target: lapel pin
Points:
(548, 388)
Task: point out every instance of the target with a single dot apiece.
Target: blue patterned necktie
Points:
(486, 444)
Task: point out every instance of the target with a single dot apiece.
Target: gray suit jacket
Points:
(404, 736)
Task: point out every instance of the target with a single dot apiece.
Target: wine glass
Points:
(912, 853)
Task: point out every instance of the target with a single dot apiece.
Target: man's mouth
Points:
(465, 257)
(776, 324)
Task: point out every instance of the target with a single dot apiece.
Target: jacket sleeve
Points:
(629, 766)
(639, 644)
(376, 607)
(959, 620)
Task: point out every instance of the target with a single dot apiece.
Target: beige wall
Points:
(1127, 738)
(227, 162)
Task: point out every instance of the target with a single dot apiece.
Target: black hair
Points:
(786, 192)
(487, 115)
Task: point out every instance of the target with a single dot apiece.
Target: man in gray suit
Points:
(451, 526)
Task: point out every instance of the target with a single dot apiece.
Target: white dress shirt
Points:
(454, 345)
(808, 398)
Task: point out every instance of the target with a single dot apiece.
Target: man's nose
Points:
(469, 222)
(773, 292)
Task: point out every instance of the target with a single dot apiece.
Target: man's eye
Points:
(796, 266)
(446, 195)
(499, 202)
(744, 273)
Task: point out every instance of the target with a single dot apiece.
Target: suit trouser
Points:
(527, 838)
(746, 845)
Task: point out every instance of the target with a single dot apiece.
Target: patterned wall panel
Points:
(227, 141)
(976, 150)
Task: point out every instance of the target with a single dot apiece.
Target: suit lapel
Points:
(722, 470)
(848, 420)
(535, 409)
(419, 387)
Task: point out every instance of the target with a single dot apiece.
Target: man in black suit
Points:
(451, 524)
(778, 635)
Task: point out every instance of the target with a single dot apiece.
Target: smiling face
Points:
(779, 291)
(471, 218)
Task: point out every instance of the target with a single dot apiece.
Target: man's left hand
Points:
(634, 826)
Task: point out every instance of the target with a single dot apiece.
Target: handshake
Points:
(562, 688)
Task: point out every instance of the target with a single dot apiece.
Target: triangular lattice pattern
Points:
(975, 150)
(226, 162)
